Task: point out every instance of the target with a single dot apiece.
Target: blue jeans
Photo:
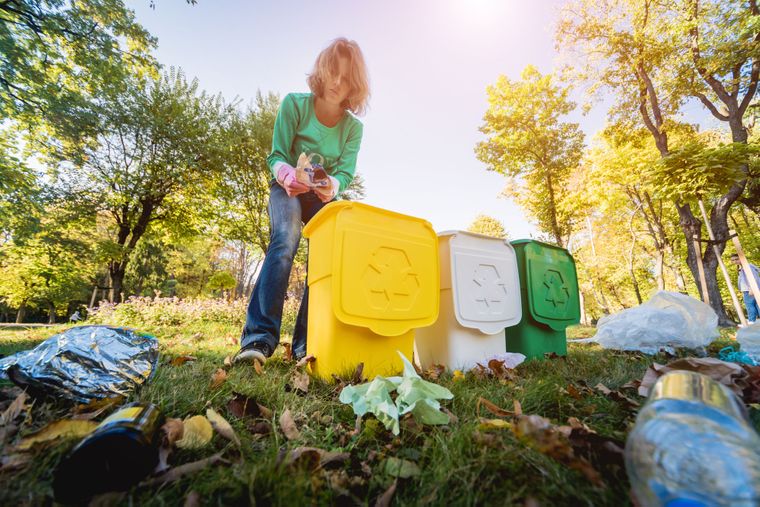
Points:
(264, 316)
(751, 303)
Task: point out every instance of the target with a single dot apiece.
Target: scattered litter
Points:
(749, 338)
(726, 373)
(414, 395)
(735, 356)
(509, 359)
(83, 363)
(669, 320)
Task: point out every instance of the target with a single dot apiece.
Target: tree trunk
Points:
(117, 281)
(51, 313)
(659, 272)
(21, 313)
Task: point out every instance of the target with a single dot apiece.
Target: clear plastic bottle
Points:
(692, 445)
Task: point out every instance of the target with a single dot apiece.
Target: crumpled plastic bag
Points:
(749, 338)
(415, 395)
(669, 320)
(84, 363)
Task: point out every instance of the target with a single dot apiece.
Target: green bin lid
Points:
(551, 283)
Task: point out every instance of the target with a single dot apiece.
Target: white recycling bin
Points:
(480, 296)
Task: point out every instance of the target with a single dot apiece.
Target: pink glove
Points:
(286, 177)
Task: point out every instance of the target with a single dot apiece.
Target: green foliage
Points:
(530, 144)
(696, 170)
(488, 225)
(221, 281)
(56, 52)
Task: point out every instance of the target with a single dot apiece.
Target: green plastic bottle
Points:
(117, 455)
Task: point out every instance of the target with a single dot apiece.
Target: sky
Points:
(429, 62)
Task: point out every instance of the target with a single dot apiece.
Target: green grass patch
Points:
(456, 466)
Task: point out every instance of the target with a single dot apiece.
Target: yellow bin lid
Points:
(384, 265)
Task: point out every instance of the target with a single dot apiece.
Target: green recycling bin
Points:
(550, 302)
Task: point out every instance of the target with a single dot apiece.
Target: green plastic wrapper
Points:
(414, 395)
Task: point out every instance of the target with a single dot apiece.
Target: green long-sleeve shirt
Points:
(297, 130)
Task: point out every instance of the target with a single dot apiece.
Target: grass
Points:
(458, 465)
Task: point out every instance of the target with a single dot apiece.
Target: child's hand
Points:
(286, 177)
(327, 194)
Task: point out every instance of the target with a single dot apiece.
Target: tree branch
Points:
(711, 107)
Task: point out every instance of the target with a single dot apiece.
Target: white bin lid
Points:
(484, 281)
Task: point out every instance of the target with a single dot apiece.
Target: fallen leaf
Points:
(197, 337)
(518, 408)
(305, 360)
(457, 376)
(257, 366)
(493, 424)
(401, 468)
(173, 429)
(500, 370)
(434, 372)
(14, 461)
(228, 361)
(14, 410)
(602, 389)
(452, 418)
(288, 426)
(574, 392)
(193, 499)
(358, 376)
(179, 361)
(287, 351)
(260, 428)
(218, 378)
(182, 470)
(65, 428)
(493, 408)
(313, 458)
(300, 381)
(385, 499)
(96, 407)
(221, 425)
(197, 433)
(242, 406)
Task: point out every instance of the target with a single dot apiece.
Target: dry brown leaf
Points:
(288, 426)
(518, 408)
(221, 425)
(197, 433)
(14, 461)
(193, 499)
(65, 428)
(305, 360)
(287, 351)
(96, 408)
(180, 360)
(574, 392)
(300, 381)
(173, 430)
(257, 366)
(493, 408)
(14, 410)
(242, 406)
(602, 389)
(182, 470)
(260, 428)
(434, 372)
(228, 361)
(385, 499)
(218, 378)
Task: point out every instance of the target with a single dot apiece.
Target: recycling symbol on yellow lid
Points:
(390, 280)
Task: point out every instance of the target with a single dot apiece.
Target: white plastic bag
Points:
(749, 338)
(667, 321)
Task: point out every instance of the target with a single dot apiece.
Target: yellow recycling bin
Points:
(373, 278)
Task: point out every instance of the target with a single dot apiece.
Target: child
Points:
(319, 124)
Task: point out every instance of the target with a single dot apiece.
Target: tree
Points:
(54, 53)
(529, 143)
(157, 146)
(632, 48)
(490, 226)
(724, 63)
(49, 269)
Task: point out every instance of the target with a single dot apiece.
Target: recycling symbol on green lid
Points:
(556, 291)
